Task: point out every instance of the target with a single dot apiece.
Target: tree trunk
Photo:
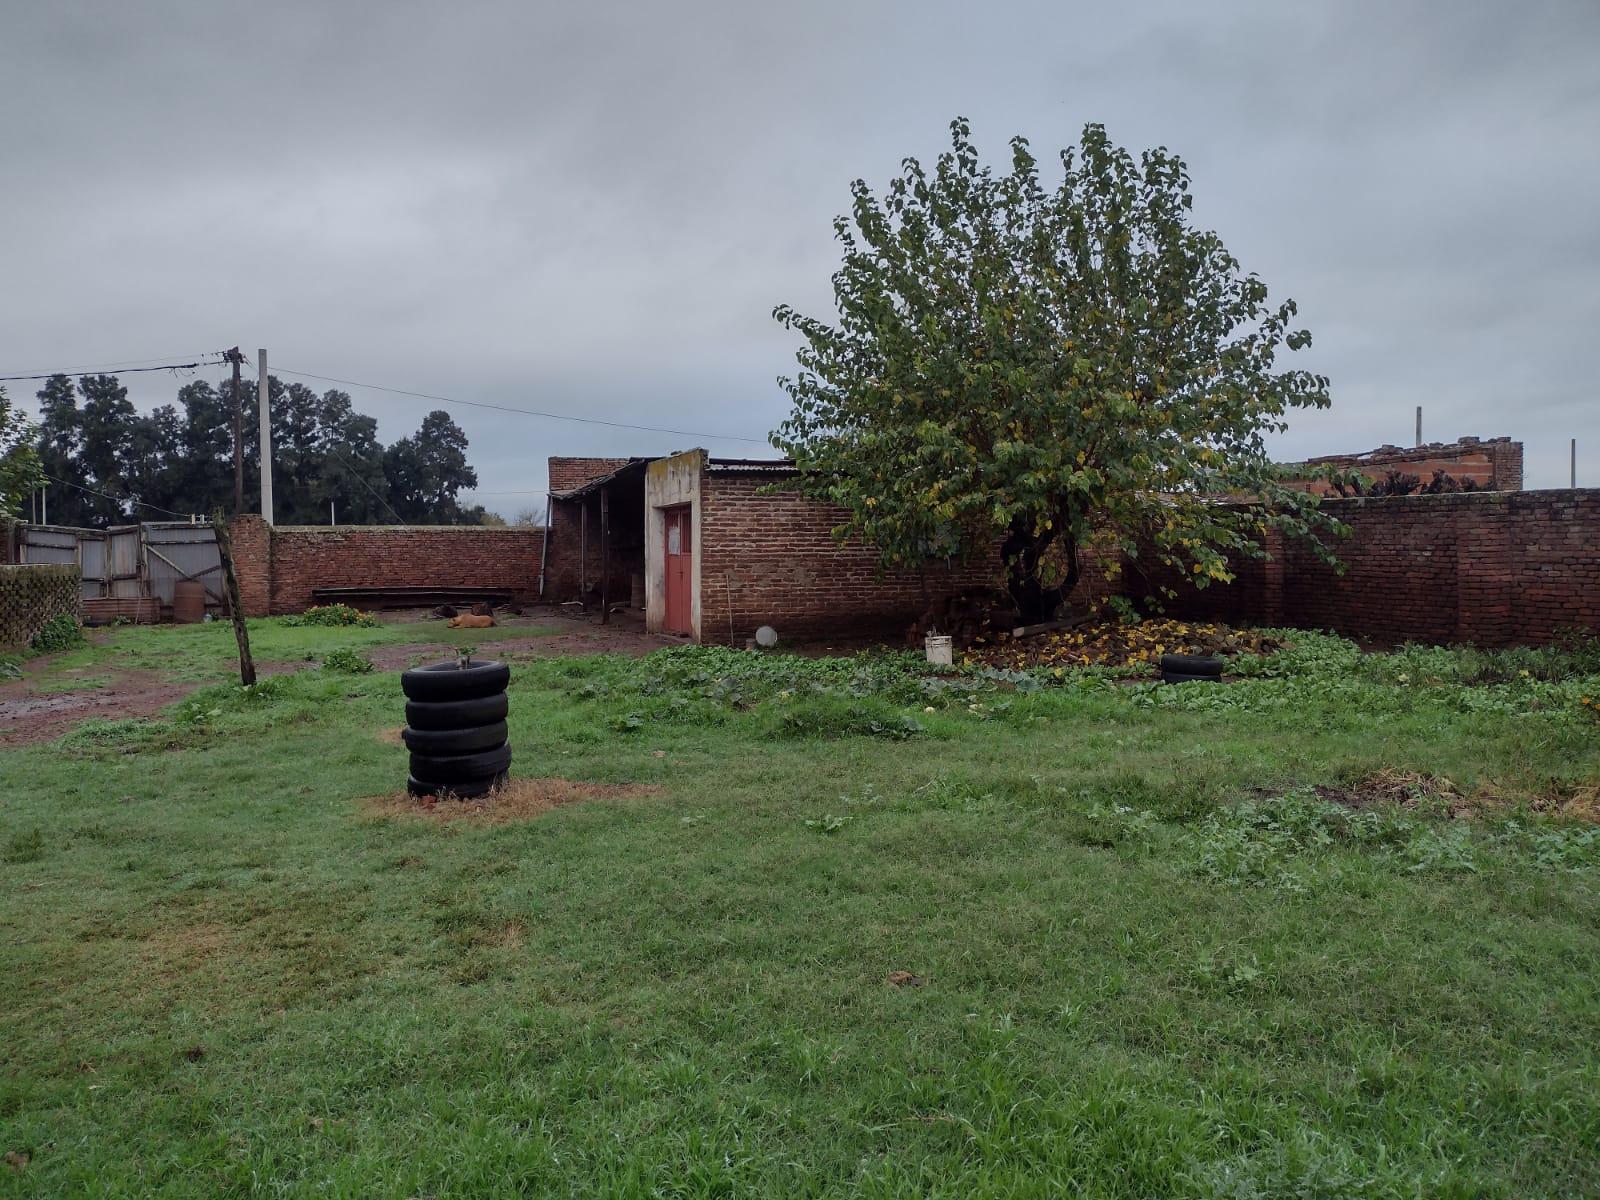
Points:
(1023, 553)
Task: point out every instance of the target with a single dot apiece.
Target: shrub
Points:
(347, 661)
(830, 717)
(60, 632)
(334, 615)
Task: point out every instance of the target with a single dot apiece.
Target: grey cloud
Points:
(593, 208)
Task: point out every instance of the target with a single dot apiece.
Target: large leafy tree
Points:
(19, 461)
(1046, 368)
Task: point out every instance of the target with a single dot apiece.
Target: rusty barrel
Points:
(188, 602)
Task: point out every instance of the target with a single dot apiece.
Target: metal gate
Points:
(130, 562)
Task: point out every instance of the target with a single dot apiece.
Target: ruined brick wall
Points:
(772, 560)
(1494, 465)
(569, 473)
(30, 596)
(1491, 568)
(280, 567)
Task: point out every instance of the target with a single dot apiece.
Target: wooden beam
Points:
(605, 556)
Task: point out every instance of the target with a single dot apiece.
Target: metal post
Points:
(605, 556)
(1574, 462)
(263, 398)
(1419, 426)
(44, 504)
(331, 521)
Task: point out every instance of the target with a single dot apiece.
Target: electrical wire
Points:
(126, 363)
(527, 412)
(125, 371)
(118, 499)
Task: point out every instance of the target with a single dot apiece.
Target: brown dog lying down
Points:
(470, 621)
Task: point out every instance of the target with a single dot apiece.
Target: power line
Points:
(527, 412)
(125, 371)
(118, 499)
(127, 363)
(399, 520)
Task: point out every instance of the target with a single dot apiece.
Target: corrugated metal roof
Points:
(760, 466)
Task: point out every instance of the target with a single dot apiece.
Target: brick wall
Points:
(252, 563)
(32, 595)
(772, 560)
(1493, 568)
(278, 568)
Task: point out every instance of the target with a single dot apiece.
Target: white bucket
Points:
(941, 651)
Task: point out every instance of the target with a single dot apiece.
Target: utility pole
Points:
(233, 356)
(1418, 442)
(265, 401)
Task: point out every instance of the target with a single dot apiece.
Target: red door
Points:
(679, 556)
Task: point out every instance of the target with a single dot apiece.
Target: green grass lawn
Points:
(1150, 960)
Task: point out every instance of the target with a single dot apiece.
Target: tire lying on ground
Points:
(469, 739)
(461, 791)
(456, 714)
(1184, 677)
(460, 768)
(451, 681)
(1191, 664)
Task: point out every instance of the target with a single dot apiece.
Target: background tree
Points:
(1046, 369)
(19, 461)
(179, 458)
(428, 470)
(352, 470)
(59, 439)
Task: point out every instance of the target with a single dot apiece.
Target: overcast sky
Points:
(592, 208)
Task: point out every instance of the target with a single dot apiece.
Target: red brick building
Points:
(714, 552)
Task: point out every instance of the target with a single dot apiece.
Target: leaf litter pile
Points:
(1117, 644)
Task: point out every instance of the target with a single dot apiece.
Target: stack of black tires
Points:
(456, 727)
(1190, 668)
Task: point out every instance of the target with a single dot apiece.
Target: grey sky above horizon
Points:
(592, 209)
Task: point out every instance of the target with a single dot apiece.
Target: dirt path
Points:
(577, 637)
(29, 715)
(30, 712)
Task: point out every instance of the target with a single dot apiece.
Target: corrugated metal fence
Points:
(130, 562)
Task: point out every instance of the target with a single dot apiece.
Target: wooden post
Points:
(247, 666)
(583, 549)
(605, 557)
